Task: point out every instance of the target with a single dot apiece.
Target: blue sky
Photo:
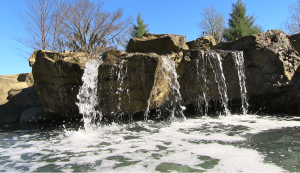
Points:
(163, 16)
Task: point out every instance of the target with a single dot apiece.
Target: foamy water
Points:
(234, 143)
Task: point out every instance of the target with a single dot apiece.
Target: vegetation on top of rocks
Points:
(140, 29)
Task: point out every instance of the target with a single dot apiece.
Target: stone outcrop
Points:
(57, 78)
(17, 95)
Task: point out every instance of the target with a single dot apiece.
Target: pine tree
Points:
(240, 25)
(140, 29)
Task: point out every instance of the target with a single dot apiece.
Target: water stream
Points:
(239, 63)
(215, 62)
(87, 95)
(166, 74)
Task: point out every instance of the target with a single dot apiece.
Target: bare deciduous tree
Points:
(292, 24)
(59, 15)
(89, 28)
(42, 20)
(212, 23)
(77, 25)
(37, 23)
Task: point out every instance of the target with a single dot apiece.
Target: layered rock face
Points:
(57, 78)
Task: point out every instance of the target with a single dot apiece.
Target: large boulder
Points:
(272, 70)
(157, 43)
(57, 78)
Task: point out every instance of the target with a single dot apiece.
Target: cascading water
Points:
(166, 70)
(202, 75)
(214, 60)
(239, 63)
(87, 95)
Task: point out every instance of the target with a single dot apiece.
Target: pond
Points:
(236, 143)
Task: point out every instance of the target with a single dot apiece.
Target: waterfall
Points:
(239, 63)
(166, 74)
(203, 76)
(87, 95)
(216, 64)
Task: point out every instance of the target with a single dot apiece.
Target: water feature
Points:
(236, 143)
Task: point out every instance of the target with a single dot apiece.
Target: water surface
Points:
(247, 143)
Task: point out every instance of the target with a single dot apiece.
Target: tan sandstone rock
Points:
(157, 43)
(16, 95)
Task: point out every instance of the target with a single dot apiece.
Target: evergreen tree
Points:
(240, 25)
(139, 29)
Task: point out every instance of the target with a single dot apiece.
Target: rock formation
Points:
(142, 79)
(272, 70)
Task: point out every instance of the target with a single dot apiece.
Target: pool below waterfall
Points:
(236, 143)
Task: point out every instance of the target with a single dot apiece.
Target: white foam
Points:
(147, 145)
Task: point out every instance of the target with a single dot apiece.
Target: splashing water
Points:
(239, 63)
(216, 63)
(225, 144)
(87, 95)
